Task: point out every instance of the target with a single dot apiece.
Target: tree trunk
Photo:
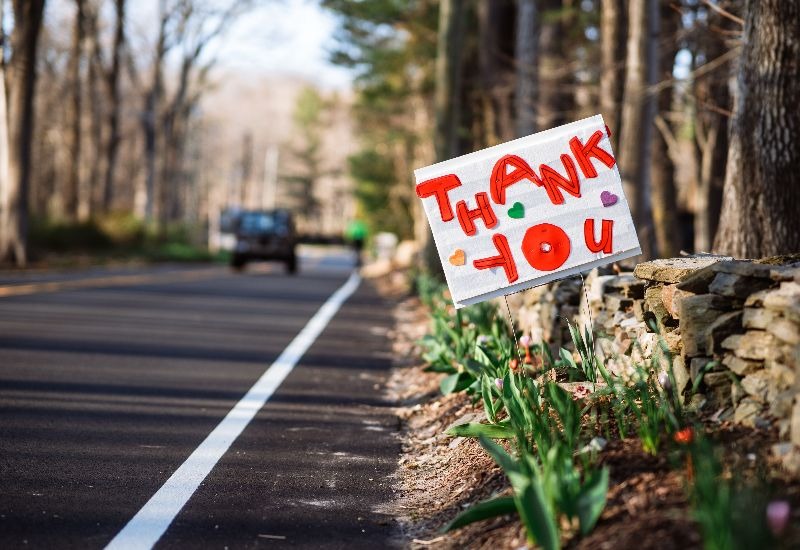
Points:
(447, 108)
(664, 204)
(92, 196)
(424, 154)
(712, 101)
(495, 60)
(613, 28)
(761, 197)
(4, 149)
(637, 124)
(72, 188)
(556, 101)
(112, 82)
(527, 58)
(21, 80)
(246, 168)
(448, 77)
(150, 117)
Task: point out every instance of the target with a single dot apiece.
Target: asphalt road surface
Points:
(110, 379)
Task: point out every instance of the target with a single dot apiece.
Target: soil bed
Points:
(439, 476)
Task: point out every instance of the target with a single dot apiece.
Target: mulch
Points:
(439, 476)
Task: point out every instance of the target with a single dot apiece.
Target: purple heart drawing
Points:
(608, 198)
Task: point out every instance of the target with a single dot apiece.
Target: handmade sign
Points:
(527, 212)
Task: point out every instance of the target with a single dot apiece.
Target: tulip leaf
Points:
(592, 500)
(475, 429)
(483, 510)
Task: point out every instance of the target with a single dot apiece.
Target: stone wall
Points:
(732, 329)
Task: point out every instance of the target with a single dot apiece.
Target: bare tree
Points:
(556, 99)
(150, 112)
(495, 60)
(527, 58)
(197, 25)
(712, 106)
(21, 80)
(74, 112)
(246, 168)
(92, 195)
(637, 119)
(664, 204)
(113, 86)
(5, 184)
(448, 77)
(761, 197)
(189, 25)
(446, 100)
(613, 27)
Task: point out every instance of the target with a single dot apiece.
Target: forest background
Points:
(108, 133)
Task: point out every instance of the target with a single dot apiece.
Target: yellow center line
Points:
(115, 280)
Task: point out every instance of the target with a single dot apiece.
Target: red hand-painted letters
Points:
(545, 246)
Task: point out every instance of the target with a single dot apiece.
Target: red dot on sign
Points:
(546, 246)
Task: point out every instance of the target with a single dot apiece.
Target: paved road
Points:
(106, 390)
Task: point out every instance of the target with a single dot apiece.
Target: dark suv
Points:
(265, 235)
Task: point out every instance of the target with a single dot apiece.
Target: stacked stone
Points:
(726, 333)
(541, 311)
(764, 355)
(731, 329)
(615, 303)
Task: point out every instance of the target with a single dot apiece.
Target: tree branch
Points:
(724, 13)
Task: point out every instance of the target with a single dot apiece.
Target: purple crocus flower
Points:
(778, 512)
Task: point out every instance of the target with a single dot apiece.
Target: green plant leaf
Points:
(547, 356)
(592, 500)
(484, 358)
(499, 455)
(486, 394)
(456, 382)
(475, 367)
(483, 510)
(476, 429)
(575, 335)
(701, 374)
(532, 507)
(567, 359)
(438, 367)
(567, 411)
(539, 520)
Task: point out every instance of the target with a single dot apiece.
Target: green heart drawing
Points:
(517, 211)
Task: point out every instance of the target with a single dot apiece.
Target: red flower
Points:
(684, 436)
(528, 358)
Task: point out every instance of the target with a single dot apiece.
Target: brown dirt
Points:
(439, 476)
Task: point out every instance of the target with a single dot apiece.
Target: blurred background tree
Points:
(309, 120)
(107, 118)
(662, 72)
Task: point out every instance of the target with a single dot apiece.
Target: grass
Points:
(114, 238)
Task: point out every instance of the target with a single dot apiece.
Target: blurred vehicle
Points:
(265, 235)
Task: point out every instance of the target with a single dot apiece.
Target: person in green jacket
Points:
(356, 233)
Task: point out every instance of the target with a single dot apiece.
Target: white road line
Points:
(149, 523)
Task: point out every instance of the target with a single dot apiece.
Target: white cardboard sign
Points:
(528, 212)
